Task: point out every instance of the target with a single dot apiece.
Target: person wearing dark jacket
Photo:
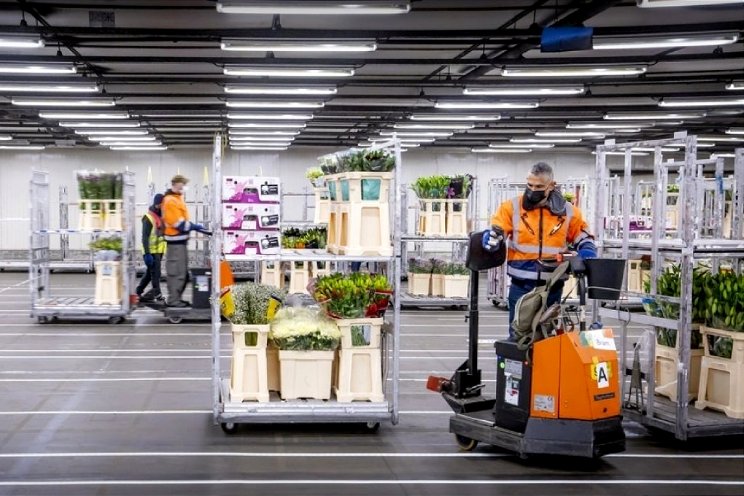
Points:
(153, 248)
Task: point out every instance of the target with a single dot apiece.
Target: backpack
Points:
(531, 309)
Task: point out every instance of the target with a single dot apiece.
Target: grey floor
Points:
(91, 408)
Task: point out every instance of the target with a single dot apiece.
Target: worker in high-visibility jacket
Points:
(538, 225)
(153, 248)
(177, 231)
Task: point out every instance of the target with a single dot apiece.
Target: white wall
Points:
(290, 166)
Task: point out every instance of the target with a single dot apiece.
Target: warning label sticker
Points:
(513, 367)
(511, 391)
(544, 403)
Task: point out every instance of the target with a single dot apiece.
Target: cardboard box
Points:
(251, 216)
(251, 243)
(251, 189)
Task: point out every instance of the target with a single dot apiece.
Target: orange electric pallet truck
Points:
(557, 391)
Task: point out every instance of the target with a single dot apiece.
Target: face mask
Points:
(532, 198)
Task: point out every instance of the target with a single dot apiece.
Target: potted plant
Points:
(438, 268)
(107, 249)
(419, 277)
(315, 175)
(306, 341)
(456, 280)
(109, 276)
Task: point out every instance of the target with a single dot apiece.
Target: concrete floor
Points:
(90, 409)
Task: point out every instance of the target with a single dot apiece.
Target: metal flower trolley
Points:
(229, 413)
(48, 307)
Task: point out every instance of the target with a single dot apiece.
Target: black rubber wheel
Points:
(229, 427)
(42, 320)
(465, 443)
(115, 320)
(175, 320)
(372, 427)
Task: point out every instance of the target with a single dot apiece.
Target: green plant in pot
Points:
(255, 305)
(669, 284)
(107, 249)
(315, 175)
(724, 309)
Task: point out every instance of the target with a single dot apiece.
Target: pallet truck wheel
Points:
(465, 443)
(115, 320)
(372, 427)
(229, 427)
(42, 320)
(177, 320)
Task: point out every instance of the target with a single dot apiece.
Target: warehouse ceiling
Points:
(470, 74)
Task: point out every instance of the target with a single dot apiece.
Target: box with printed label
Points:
(251, 243)
(251, 189)
(250, 216)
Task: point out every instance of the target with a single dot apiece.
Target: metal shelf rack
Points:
(685, 246)
(230, 413)
(44, 305)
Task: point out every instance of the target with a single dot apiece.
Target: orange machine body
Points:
(575, 376)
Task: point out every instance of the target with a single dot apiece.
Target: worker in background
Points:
(178, 228)
(153, 248)
(539, 225)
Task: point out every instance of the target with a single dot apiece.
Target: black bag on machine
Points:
(479, 259)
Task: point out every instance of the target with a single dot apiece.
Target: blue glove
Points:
(200, 228)
(491, 240)
(149, 259)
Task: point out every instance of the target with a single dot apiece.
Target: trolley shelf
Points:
(432, 301)
(277, 410)
(417, 238)
(700, 423)
(76, 306)
(288, 255)
(700, 246)
(78, 231)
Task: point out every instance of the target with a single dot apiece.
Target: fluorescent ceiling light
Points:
(501, 150)
(287, 72)
(50, 88)
(267, 125)
(100, 124)
(271, 117)
(735, 85)
(83, 115)
(259, 148)
(548, 71)
(652, 149)
(631, 130)
(280, 90)
(702, 102)
(716, 139)
(122, 138)
(722, 155)
(5, 137)
(385, 139)
(260, 143)
(629, 116)
(185, 116)
(260, 138)
(570, 134)
(130, 143)
(297, 46)
(515, 144)
(21, 43)
(139, 148)
(434, 126)
(454, 117)
(486, 105)
(647, 4)
(111, 132)
(296, 7)
(635, 154)
(664, 42)
(421, 134)
(63, 103)
(525, 91)
(37, 69)
(706, 145)
(22, 147)
(546, 140)
(240, 132)
(735, 130)
(608, 125)
(271, 105)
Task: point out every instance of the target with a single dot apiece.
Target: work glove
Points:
(149, 259)
(200, 228)
(492, 239)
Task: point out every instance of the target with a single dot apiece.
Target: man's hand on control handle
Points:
(200, 228)
(492, 239)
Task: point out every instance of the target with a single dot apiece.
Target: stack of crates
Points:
(251, 215)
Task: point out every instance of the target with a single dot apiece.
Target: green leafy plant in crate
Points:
(255, 304)
(724, 308)
(456, 269)
(111, 243)
(303, 329)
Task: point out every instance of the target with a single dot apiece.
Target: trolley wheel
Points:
(116, 320)
(465, 443)
(372, 427)
(177, 319)
(42, 320)
(229, 427)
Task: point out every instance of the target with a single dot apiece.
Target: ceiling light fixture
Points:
(516, 144)
(111, 132)
(722, 155)
(706, 145)
(99, 124)
(454, 127)
(548, 71)
(240, 132)
(130, 143)
(21, 43)
(546, 140)
(22, 147)
(316, 7)
(63, 103)
(647, 4)
(271, 117)
(454, 117)
(260, 148)
(37, 69)
(486, 105)
(260, 138)
(421, 134)
(84, 115)
(139, 148)
(635, 154)
(608, 125)
(735, 86)
(628, 116)
(260, 143)
(735, 130)
(267, 125)
(297, 46)
(653, 149)
(664, 42)
(287, 72)
(280, 90)
(570, 134)
(122, 138)
(51, 88)
(272, 105)
(525, 91)
(501, 150)
(702, 102)
(716, 139)
(5, 137)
